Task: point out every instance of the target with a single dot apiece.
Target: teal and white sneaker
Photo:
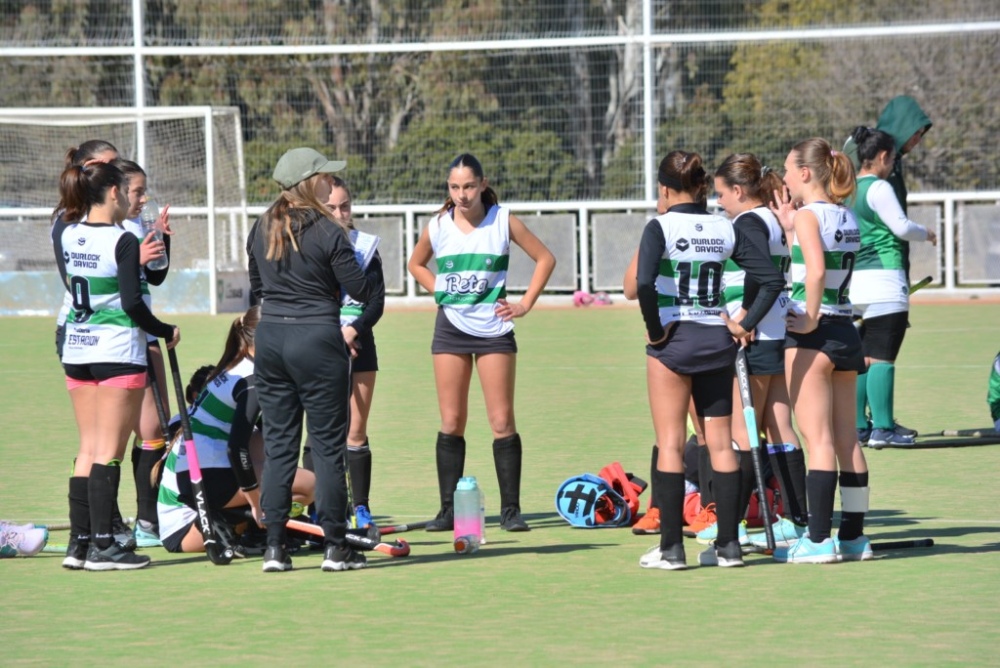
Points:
(17, 541)
(708, 535)
(858, 549)
(146, 534)
(805, 551)
(786, 532)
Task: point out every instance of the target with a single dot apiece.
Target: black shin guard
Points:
(359, 465)
(669, 498)
(854, 504)
(748, 483)
(727, 505)
(507, 459)
(705, 476)
(101, 499)
(450, 456)
(145, 489)
(79, 509)
(790, 466)
(821, 488)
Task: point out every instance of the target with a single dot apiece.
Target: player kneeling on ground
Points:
(224, 418)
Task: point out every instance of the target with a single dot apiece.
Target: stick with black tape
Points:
(753, 433)
(219, 554)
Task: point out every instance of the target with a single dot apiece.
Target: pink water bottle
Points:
(468, 510)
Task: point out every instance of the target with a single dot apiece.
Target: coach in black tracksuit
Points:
(300, 261)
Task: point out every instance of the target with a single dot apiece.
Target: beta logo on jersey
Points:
(698, 227)
(449, 264)
(456, 284)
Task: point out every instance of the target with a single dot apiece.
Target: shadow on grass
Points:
(492, 550)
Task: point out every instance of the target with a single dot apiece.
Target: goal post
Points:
(193, 156)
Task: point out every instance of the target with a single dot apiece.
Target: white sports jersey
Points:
(689, 286)
(841, 240)
(772, 325)
(472, 271)
(97, 329)
(211, 423)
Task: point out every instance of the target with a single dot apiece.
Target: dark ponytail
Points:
(683, 172)
(82, 187)
(468, 160)
(870, 143)
(238, 343)
(744, 170)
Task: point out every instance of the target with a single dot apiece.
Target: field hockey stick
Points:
(919, 285)
(219, 554)
(64, 526)
(903, 544)
(960, 442)
(401, 528)
(753, 434)
(985, 432)
(397, 548)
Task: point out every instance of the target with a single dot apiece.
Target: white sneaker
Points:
(673, 559)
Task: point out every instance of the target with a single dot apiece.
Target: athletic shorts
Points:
(367, 359)
(705, 353)
(451, 340)
(882, 336)
(766, 358)
(123, 376)
(837, 338)
(220, 488)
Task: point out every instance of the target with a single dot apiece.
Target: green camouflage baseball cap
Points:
(299, 164)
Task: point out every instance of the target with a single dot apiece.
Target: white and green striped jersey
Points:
(689, 285)
(472, 271)
(772, 325)
(350, 309)
(841, 239)
(97, 328)
(211, 423)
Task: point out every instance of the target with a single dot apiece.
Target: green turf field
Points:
(555, 595)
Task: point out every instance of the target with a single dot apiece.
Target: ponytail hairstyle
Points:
(238, 343)
(78, 156)
(683, 172)
(129, 168)
(285, 220)
(831, 169)
(870, 143)
(489, 196)
(88, 151)
(82, 187)
(758, 182)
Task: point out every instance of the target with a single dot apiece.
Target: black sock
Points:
(507, 460)
(852, 520)
(727, 505)
(748, 483)
(79, 509)
(450, 457)
(821, 488)
(145, 489)
(359, 465)
(100, 495)
(705, 476)
(115, 476)
(669, 488)
(276, 534)
(790, 466)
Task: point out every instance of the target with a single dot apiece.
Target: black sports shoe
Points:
(445, 521)
(113, 558)
(276, 559)
(510, 519)
(342, 559)
(124, 536)
(76, 554)
(905, 431)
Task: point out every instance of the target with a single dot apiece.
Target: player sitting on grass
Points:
(230, 448)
